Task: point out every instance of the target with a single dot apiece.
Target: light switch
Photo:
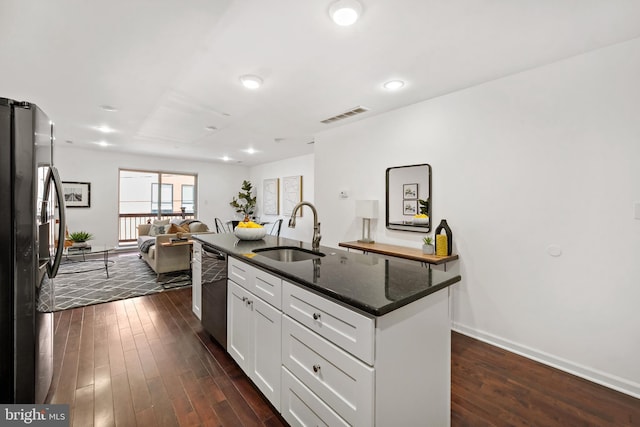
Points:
(636, 208)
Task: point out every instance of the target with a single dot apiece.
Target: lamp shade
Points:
(367, 208)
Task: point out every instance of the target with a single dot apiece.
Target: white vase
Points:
(79, 244)
(428, 249)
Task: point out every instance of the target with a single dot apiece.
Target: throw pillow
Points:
(175, 229)
(198, 227)
(158, 229)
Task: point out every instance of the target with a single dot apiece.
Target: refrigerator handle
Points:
(62, 224)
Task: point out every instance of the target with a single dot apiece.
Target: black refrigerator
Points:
(32, 215)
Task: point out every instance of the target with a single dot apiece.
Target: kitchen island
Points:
(343, 339)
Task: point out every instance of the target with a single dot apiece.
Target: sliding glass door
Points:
(145, 196)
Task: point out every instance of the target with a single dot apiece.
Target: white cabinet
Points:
(260, 283)
(347, 329)
(238, 324)
(343, 368)
(196, 279)
(254, 332)
(321, 363)
(340, 380)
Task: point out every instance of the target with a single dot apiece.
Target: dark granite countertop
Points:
(372, 284)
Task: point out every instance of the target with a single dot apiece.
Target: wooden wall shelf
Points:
(398, 251)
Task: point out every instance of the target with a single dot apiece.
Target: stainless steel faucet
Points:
(315, 242)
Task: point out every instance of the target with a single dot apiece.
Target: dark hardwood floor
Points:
(147, 362)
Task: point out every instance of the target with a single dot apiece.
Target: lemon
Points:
(249, 224)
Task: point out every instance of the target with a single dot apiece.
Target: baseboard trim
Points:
(598, 377)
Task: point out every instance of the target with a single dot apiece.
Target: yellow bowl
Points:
(243, 233)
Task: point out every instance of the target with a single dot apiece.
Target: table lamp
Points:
(367, 209)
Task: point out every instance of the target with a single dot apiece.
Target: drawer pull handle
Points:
(316, 316)
(244, 299)
(316, 368)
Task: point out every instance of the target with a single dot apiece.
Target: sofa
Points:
(167, 259)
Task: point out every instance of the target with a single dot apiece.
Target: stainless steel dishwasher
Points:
(214, 294)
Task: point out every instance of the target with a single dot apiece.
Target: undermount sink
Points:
(288, 253)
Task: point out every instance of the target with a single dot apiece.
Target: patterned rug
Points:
(129, 276)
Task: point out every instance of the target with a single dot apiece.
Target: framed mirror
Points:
(409, 198)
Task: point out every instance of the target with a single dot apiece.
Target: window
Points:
(187, 197)
(164, 199)
(145, 196)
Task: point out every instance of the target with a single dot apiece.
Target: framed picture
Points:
(410, 191)
(291, 194)
(410, 207)
(271, 196)
(76, 194)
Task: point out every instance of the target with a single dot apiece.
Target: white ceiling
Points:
(172, 67)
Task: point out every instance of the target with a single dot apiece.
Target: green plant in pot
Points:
(427, 247)
(79, 238)
(245, 203)
(422, 218)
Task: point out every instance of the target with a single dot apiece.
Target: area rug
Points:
(129, 276)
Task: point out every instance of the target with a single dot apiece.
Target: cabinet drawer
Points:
(260, 283)
(240, 272)
(300, 407)
(340, 325)
(340, 380)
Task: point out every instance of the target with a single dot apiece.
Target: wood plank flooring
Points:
(147, 362)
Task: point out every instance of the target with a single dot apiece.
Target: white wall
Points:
(302, 165)
(538, 159)
(217, 184)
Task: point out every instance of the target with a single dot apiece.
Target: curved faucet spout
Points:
(315, 242)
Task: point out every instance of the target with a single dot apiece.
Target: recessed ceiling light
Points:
(345, 12)
(393, 84)
(103, 143)
(250, 151)
(250, 81)
(225, 158)
(109, 108)
(104, 129)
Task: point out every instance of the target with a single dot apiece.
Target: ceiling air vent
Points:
(345, 115)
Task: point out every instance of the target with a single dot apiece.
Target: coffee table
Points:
(87, 255)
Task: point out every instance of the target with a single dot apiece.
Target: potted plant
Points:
(427, 247)
(245, 204)
(79, 238)
(423, 217)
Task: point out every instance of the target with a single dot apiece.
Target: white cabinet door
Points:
(266, 349)
(254, 339)
(238, 324)
(196, 280)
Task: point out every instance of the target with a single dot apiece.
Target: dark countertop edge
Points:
(340, 299)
